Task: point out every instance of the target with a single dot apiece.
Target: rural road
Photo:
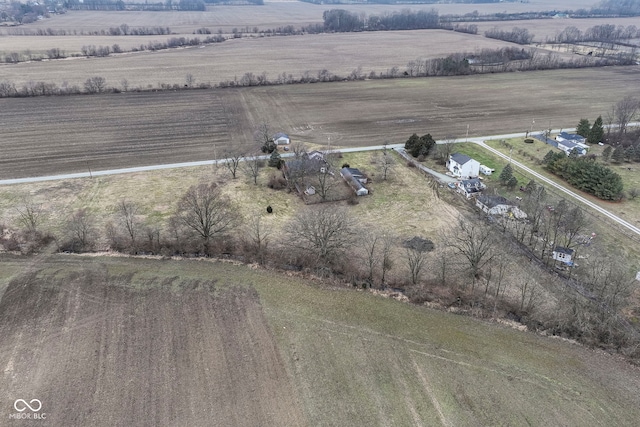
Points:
(542, 178)
(476, 140)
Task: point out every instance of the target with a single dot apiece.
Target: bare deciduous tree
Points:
(624, 112)
(232, 163)
(475, 243)
(189, 80)
(324, 184)
(416, 260)
(30, 214)
(388, 243)
(443, 151)
(257, 235)
(207, 212)
(385, 163)
(372, 245)
(262, 136)
(298, 149)
(127, 212)
(324, 232)
(81, 228)
(252, 166)
(95, 84)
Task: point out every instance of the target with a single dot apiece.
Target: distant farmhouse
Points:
(281, 139)
(355, 179)
(463, 166)
(470, 187)
(570, 142)
(498, 205)
(300, 171)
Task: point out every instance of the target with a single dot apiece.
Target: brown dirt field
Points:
(71, 45)
(96, 351)
(51, 135)
(339, 53)
(271, 15)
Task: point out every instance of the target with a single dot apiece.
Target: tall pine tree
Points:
(596, 134)
(506, 174)
(618, 154)
(583, 128)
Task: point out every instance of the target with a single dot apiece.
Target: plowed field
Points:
(96, 351)
(51, 135)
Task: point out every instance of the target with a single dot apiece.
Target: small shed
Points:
(486, 170)
(563, 255)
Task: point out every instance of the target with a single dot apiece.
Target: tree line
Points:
(516, 35)
(508, 60)
(608, 33)
(586, 174)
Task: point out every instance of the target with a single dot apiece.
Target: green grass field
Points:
(363, 360)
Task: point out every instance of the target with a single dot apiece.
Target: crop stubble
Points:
(52, 135)
(178, 352)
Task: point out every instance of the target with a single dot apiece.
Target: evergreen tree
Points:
(513, 181)
(275, 160)
(506, 175)
(618, 154)
(547, 157)
(596, 134)
(413, 145)
(629, 153)
(419, 145)
(606, 153)
(427, 144)
(636, 157)
(583, 128)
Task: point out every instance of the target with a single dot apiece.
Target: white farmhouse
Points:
(281, 139)
(569, 142)
(463, 166)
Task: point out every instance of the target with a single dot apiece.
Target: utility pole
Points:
(467, 138)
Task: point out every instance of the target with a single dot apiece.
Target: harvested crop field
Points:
(97, 351)
(51, 135)
(270, 15)
(544, 29)
(338, 53)
(121, 341)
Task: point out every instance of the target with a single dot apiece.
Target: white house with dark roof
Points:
(573, 137)
(470, 187)
(281, 139)
(463, 166)
(498, 205)
(563, 255)
(570, 142)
